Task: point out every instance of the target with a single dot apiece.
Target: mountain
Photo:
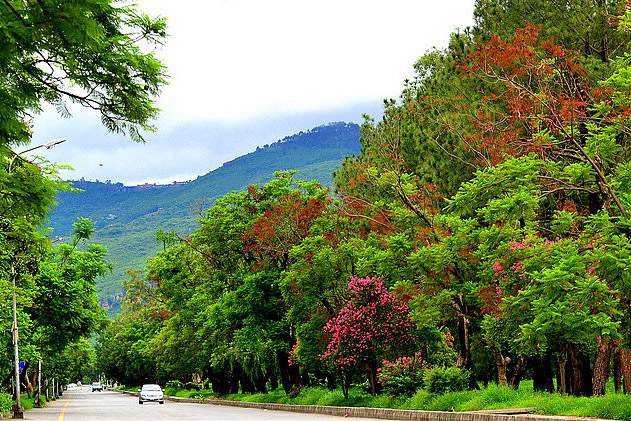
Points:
(127, 217)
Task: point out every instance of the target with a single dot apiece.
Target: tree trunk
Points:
(234, 379)
(220, 380)
(617, 375)
(371, 373)
(32, 381)
(27, 381)
(502, 368)
(346, 383)
(518, 372)
(542, 373)
(260, 382)
(246, 383)
(601, 368)
(294, 376)
(305, 381)
(581, 373)
(625, 368)
(283, 366)
(562, 378)
(464, 352)
(273, 379)
(289, 374)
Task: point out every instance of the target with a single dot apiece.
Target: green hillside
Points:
(127, 217)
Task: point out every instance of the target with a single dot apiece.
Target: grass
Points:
(123, 388)
(29, 403)
(613, 406)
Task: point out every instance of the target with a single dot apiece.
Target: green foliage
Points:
(88, 52)
(173, 384)
(56, 292)
(440, 380)
(92, 53)
(82, 229)
(127, 218)
(492, 200)
(404, 376)
(5, 403)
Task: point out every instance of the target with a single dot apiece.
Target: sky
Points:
(244, 73)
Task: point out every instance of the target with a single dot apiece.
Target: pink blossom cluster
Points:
(292, 354)
(372, 324)
(517, 245)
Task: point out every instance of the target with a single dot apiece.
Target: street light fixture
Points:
(17, 409)
(48, 145)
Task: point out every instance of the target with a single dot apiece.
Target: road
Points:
(83, 405)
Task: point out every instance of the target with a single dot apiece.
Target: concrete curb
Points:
(377, 413)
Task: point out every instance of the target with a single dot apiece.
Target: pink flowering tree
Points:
(373, 325)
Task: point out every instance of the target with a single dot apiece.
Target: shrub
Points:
(5, 403)
(441, 380)
(174, 384)
(403, 376)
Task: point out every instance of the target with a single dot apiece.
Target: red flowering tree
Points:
(285, 224)
(374, 325)
(539, 100)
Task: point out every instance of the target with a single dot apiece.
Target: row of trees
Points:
(58, 309)
(485, 225)
(92, 53)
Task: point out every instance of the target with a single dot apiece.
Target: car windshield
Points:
(151, 387)
(96, 384)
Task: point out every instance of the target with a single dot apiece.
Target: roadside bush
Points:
(404, 376)
(174, 384)
(5, 403)
(439, 380)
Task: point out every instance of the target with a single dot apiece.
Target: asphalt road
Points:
(83, 405)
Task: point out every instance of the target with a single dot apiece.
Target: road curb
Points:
(377, 413)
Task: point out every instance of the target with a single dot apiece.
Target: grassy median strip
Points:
(29, 402)
(612, 406)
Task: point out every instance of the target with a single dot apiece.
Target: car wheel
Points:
(161, 402)
(140, 402)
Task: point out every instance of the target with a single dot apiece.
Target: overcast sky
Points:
(248, 72)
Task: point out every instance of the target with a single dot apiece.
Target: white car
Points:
(96, 386)
(151, 393)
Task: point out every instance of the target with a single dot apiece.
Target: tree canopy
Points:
(483, 232)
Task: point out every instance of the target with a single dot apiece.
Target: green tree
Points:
(88, 52)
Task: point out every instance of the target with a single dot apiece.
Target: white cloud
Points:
(234, 63)
(231, 60)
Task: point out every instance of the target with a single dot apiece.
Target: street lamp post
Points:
(17, 409)
(18, 412)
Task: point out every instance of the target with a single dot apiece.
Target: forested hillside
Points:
(127, 217)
